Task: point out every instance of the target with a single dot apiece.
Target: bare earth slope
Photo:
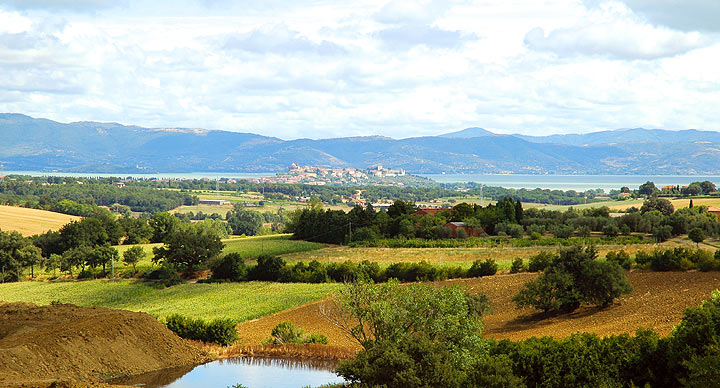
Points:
(657, 303)
(44, 343)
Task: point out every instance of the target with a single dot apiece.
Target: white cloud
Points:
(321, 69)
(613, 30)
(281, 40)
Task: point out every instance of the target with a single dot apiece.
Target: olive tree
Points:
(188, 246)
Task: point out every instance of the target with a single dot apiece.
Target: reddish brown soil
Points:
(40, 344)
(657, 302)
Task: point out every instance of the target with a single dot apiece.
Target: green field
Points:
(238, 301)
(247, 247)
(250, 247)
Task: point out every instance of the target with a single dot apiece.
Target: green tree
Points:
(137, 230)
(133, 255)
(697, 235)
(29, 256)
(648, 189)
(162, 225)
(188, 246)
(660, 204)
(230, 267)
(389, 312)
(693, 189)
(574, 277)
(245, 222)
(707, 187)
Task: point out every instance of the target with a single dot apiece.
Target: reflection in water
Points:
(157, 378)
(252, 372)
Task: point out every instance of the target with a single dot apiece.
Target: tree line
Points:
(80, 196)
(87, 244)
(656, 217)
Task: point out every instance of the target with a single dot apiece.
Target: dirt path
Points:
(44, 343)
(657, 302)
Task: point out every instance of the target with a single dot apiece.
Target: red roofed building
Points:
(454, 226)
(714, 210)
(424, 212)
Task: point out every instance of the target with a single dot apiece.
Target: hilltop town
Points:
(313, 175)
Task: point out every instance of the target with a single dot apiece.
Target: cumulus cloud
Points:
(614, 31)
(408, 36)
(281, 40)
(326, 69)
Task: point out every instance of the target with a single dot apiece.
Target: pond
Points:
(251, 372)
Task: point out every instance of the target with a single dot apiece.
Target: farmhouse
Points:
(426, 211)
(455, 226)
(714, 210)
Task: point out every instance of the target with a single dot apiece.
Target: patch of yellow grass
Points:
(31, 221)
(466, 256)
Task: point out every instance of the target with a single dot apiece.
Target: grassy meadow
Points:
(238, 301)
(31, 221)
(247, 247)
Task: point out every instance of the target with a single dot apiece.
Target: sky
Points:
(319, 69)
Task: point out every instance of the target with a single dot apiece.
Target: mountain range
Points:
(33, 144)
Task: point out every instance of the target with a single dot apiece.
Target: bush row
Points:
(232, 267)
(219, 331)
(671, 259)
(492, 242)
(678, 259)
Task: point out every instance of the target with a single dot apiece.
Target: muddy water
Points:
(251, 372)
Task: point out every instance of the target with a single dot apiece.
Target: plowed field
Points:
(657, 302)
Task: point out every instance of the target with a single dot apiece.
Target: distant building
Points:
(119, 184)
(217, 202)
(455, 226)
(426, 211)
(381, 206)
(714, 210)
(624, 195)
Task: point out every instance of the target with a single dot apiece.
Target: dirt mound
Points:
(657, 303)
(46, 343)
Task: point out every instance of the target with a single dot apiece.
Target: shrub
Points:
(219, 331)
(517, 265)
(412, 272)
(514, 230)
(288, 333)
(230, 267)
(611, 230)
(167, 275)
(583, 231)
(483, 268)
(562, 231)
(540, 261)
(535, 228)
(267, 268)
(620, 257)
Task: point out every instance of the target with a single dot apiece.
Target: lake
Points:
(514, 181)
(251, 372)
(570, 182)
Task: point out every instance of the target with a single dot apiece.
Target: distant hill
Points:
(468, 133)
(39, 144)
(635, 135)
